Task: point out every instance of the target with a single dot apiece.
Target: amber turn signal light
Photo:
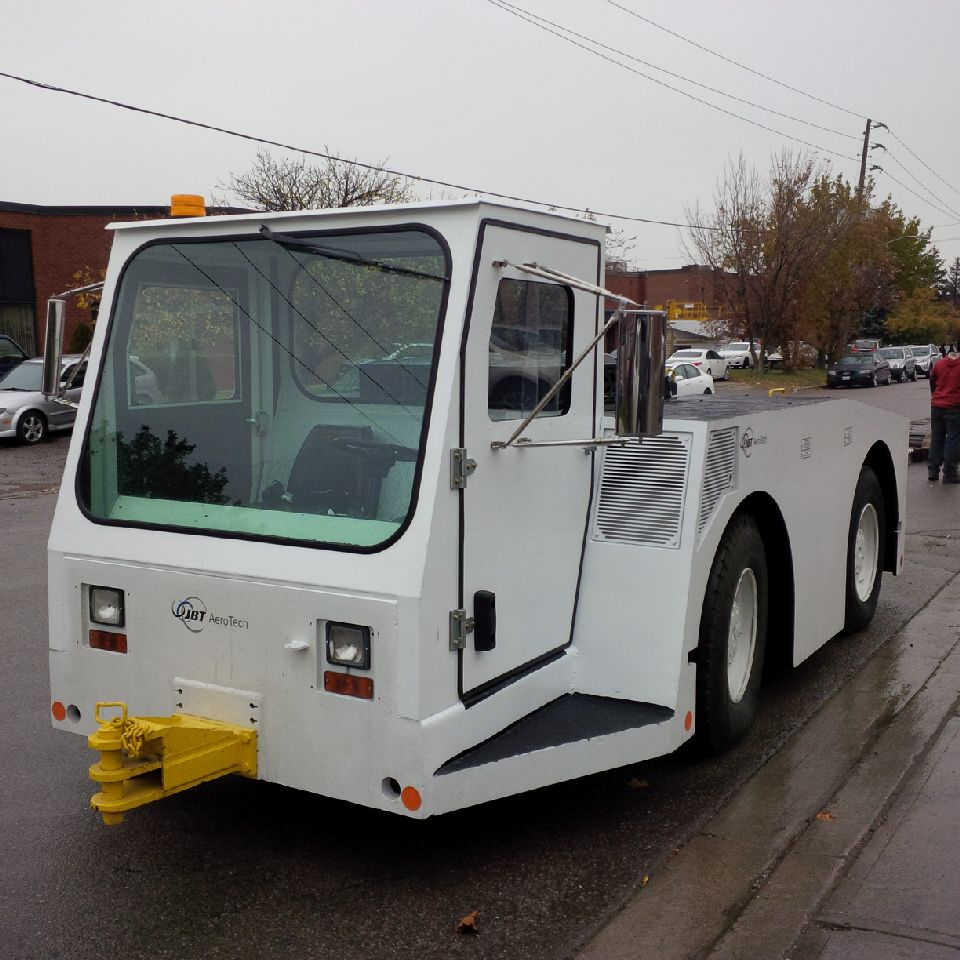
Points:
(114, 642)
(348, 685)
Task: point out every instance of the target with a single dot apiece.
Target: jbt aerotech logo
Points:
(191, 612)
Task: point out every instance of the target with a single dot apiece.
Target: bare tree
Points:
(273, 184)
(767, 239)
(729, 241)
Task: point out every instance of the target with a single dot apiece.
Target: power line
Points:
(735, 63)
(433, 181)
(934, 172)
(662, 83)
(787, 86)
(909, 189)
(942, 203)
(670, 73)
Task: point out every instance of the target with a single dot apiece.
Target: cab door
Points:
(525, 509)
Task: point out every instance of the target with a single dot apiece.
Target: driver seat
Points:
(327, 478)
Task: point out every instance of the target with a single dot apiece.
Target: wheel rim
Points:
(742, 636)
(866, 549)
(32, 429)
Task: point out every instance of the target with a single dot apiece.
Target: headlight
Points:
(106, 606)
(348, 645)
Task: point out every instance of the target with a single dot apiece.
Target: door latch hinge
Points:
(460, 468)
(460, 626)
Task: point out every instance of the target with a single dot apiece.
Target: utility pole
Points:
(863, 161)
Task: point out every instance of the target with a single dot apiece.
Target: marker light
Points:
(348, 684)
(348, 645)
(106, 606)
(103, 640)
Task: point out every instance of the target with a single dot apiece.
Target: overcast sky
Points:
(459, 90)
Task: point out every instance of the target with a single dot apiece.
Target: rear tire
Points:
(864, 552)
(733, 631)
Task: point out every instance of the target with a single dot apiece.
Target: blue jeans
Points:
(944, 439)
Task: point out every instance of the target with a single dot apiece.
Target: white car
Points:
(28, 416)
(927, 355)
(708, 360)
(690, 380)
(737, 353)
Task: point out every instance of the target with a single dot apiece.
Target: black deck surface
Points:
(729, 407)
(572, 717)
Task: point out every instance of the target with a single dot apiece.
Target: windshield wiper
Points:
(345, 256)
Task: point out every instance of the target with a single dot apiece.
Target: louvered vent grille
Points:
(642, 491)
(718, 475)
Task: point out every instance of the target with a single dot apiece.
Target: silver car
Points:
(25, 413)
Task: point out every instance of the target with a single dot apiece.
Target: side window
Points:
(713, 355)
(77, 379)
(531, 343)
(183, 346)
(678, 373)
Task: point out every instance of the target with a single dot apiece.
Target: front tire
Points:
(864, 552)
(31, 427)
(733, 631)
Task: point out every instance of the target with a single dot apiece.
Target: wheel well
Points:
(881, 462)
(780, 607)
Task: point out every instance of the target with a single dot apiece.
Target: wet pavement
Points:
(845, 844)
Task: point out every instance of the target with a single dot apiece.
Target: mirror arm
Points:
(558, 386)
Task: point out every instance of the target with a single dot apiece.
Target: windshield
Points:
(892, 353)
(26, 376)
(270, 388)
(864, 360)
(739, 347)
(691, 354)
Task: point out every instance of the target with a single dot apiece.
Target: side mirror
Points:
(641, 355)
(53, 349)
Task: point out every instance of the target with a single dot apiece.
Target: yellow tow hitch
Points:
(143, 759)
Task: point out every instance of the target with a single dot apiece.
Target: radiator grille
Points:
(719, 473)
(642, 491)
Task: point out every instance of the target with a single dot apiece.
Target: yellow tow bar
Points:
(143, 759)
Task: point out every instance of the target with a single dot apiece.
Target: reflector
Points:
(348, 685)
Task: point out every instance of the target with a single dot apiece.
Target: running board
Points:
(568, 719)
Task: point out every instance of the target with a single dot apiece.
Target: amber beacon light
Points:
(187, 205)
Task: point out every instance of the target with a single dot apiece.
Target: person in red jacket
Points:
(945, 419)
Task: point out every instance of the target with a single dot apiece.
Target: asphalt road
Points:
(248, 870)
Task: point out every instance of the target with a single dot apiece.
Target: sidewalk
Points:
(845, 845)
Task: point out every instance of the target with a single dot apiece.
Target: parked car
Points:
(926, 354)
(708, 360)
(800, 351)
(25, 413)
(859, 369)
(11, 354)
(690, 380)
(903, 364)
(737, 354)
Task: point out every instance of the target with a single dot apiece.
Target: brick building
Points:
(691, 294)
(42, 249)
